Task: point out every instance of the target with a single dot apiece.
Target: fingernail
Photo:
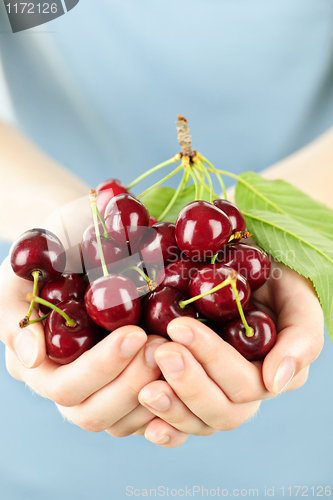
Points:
(161, 402)
(26, 347)
(150, 352)
(159, 440)
(132, 343)
(284, 374)
(171, 363)
(181, 334)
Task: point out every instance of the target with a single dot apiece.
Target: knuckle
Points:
(118, 432)
(61, 395)
(89, 422)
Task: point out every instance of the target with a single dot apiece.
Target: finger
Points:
(159, 398)
(69, 385)
(198, 391)
(28, 344)
(163, 434)
(300, 324)
(239, 379)
(132, 422)
(117, 399)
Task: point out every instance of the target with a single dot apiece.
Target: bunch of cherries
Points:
(140, 271)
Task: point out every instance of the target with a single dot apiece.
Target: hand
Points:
(209, 386)
(99, 390)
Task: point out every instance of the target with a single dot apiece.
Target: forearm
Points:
(309, 169)
(32, 184)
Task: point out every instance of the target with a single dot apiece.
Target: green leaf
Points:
(157, 200)
(255, 192)
(299, 247)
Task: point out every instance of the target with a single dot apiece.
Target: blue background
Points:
(99, 89)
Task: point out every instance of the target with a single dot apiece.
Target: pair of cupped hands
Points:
(131, 383)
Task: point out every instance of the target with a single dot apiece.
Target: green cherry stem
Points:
(105, 234)
(226, 282)
(69, 322)
(196, 184)
(26, 320)
(93, 203)
(211, 189)
(138, 270)
(216, 172)
(39, 320)
(173, 199)
(152, 170)
(249, 332)
(175, 171)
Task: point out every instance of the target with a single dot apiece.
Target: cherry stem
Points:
(69, 322)
(35, 275)
(152, 170)
(214, 258)
(226, 282)
(197, 193)
(26, 320)
(249, 332)
(175, 171)
(216, 172)
(93, 203)
(138, 270)
(211, 189)
(173, 199)
(238, 235)
(105, 234)
(39, 320)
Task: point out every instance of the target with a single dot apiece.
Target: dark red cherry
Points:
(160, 307)
(220, 305)
(66, 343)
(112, 251)
(235, 215)
(257, 346)
(38, 250)
(108, 190)
(249, 261)
(202, 230)
(158, 245)
(69, 286)
(179, 273)
(112, 301)
(126, 219)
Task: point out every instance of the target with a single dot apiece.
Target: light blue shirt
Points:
(99, 89)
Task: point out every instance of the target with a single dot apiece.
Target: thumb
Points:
(28, 344)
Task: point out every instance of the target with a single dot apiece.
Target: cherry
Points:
(38, 250)
(158, 245)
(202, 230)
(262, 341)
(126, 219)
(113, 252)
(248, 260)
(106, 191)
(160, 307)
(235, 215)
(220, 305)
(66, 343)
(178, 274)
(112, 301)
(69, 286)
